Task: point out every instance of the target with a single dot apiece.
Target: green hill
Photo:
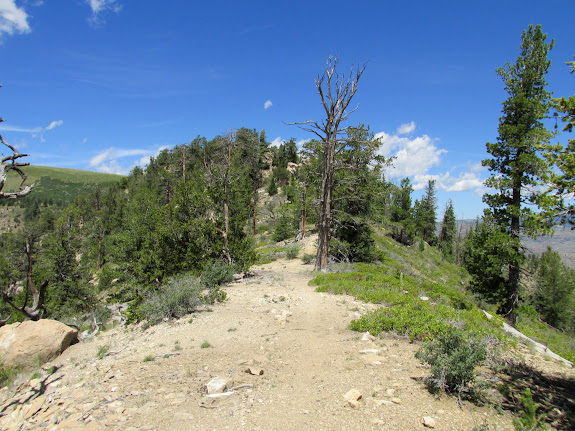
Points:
(58, 185)
(37, 173)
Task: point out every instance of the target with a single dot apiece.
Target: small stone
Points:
(353, 404)
(254, 371)
(367, 337)
(429, 422)
(353, 395)
(377, 422)
(424, 298)
(216, 385)
(369, 352)
(396, 400)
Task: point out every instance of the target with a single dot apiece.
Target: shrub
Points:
(7, 375)
(453, 357)
(176, 298)
(292, 252)
(308, 258)
(529, 421)
(216, 274)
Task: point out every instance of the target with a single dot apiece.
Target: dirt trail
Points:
(274, 322)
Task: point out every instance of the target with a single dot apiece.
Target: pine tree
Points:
(448, 232)
(517, 165)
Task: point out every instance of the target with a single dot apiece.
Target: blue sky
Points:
(104, 84)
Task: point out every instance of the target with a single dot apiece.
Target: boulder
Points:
(28, 344)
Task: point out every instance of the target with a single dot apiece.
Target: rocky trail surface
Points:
(280, 352)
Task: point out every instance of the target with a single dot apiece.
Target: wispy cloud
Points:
(99, 7)
(121, 161)
(268, 104)
(12, 18)
(404, 129)
(31, 130)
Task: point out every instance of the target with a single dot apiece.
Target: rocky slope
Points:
(283, 352)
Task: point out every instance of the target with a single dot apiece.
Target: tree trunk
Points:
(514, 270)
(303, 212)
(324, 225)
(255, 212)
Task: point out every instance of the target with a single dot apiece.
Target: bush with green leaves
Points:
(292, 251)
(7, 375)
(308, 258)
(528, 419)
(216, 274)
(453, 357)
(179, 296)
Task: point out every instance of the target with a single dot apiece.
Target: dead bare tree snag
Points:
(336, 93)
(10, 163)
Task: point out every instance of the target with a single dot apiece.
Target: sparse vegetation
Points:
(453, 357)
(205, 345)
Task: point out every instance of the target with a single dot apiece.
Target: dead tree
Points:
(11, 163)
(37, 308)
(336, 93)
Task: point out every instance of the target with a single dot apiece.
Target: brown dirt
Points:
(272, 321)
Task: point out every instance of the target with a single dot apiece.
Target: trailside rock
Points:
(24, 344)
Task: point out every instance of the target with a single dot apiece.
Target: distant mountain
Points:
(562, 241)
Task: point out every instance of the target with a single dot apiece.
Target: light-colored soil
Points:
(272, 321)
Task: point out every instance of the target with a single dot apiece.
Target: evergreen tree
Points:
(554, 295)
(564, 158)
(448, 232)
(402, 213)
(517, 165)
(425, 214)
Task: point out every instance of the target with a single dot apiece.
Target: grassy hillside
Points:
(57, 185)
(37, 173)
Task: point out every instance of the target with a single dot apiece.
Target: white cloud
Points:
(411, 156)
(466, 181)
(406, 128)
(268, 104)
(33, 130)
(54, 124)
(277, 142)
(100, 6)
(12, 18)
(109, 160)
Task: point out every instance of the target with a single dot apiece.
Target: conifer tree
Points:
(518, 165)
(448, 232)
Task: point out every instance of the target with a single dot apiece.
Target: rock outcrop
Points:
(28, 343)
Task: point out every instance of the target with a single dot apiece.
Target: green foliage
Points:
(102, 350)
(285, 227)
(425, 213)
(403, 311)
(272, 187)
(554, 293)
(528, 419)
(292, 251)
(308, 258)
(7, 375)
(488, 252)
(148, 358)
(453, 358)
(205, 344)
(179, 296)
(520, 163)
(216, 274)
(448, 232)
